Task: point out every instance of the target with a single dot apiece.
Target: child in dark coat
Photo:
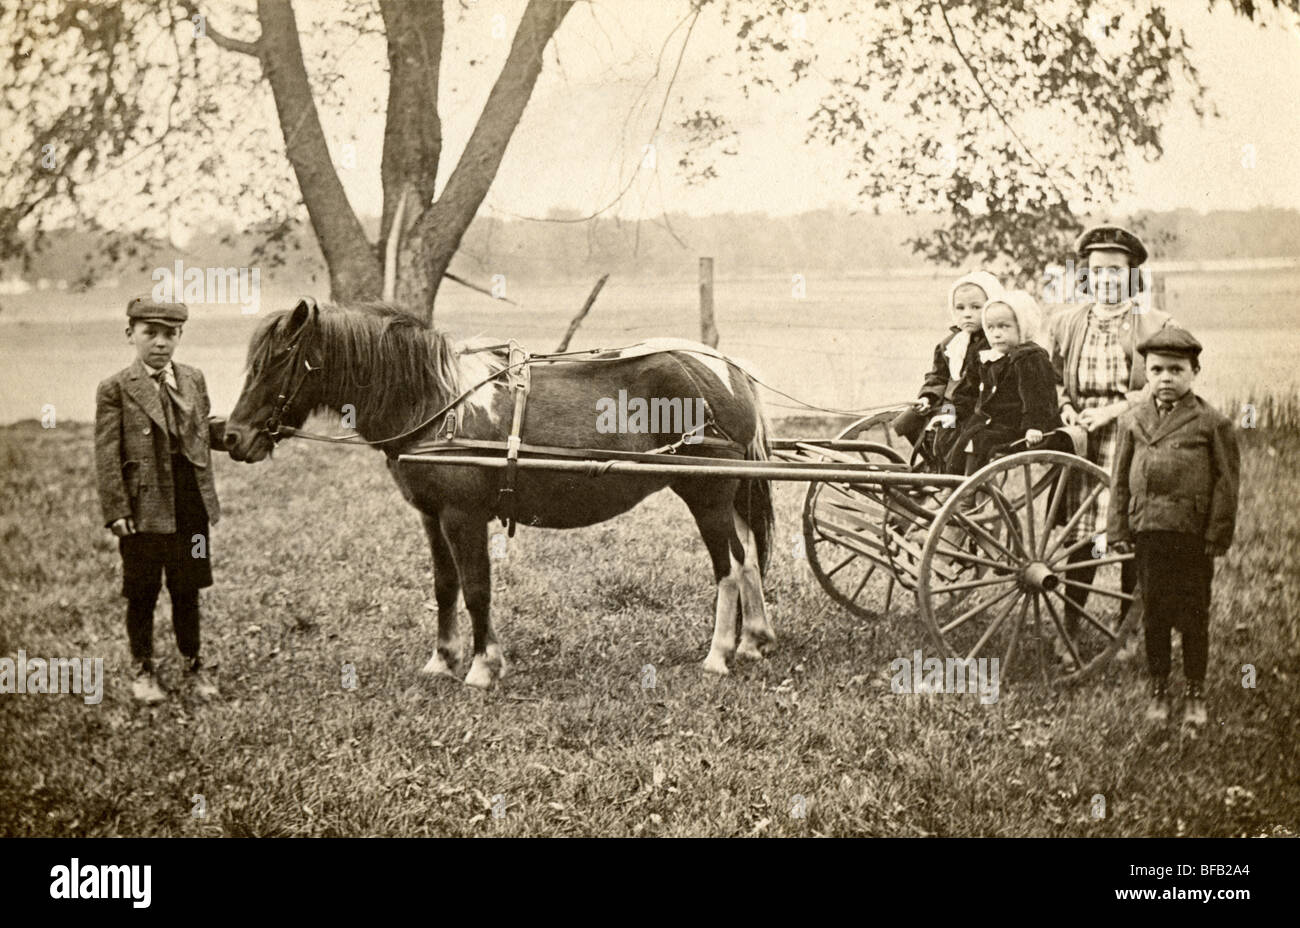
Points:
(947, 394)
(153, 440)
(1016, 400)
(1174, 500)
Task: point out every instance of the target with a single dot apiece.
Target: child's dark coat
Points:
(1017, 392)
(1176, 474)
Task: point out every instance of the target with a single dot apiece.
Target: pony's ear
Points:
(303, 313)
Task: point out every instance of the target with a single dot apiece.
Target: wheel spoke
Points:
(1031, 541)
(1015, 634)
(1066, 552)
(990, 543)
(959, 555)
(1104, 591)
(1101, 626)
(972, 584)
(1012, 523)
(834, 570)
(889, 593)
(993, 628)
(1060, 630)
(862, 583)
(971, 613)
(1057, 492)
(1078, 514)
(1099, 562)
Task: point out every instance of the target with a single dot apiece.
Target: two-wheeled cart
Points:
(996, 560)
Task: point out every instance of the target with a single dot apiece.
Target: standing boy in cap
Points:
(153, 461)
(1174, 498)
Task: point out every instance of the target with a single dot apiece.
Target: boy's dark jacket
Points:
(1177, 474)
(939, 387)
(1017, 392)
(132, 463)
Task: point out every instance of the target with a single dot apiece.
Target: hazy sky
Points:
(584, 130)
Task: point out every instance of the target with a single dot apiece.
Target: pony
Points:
(404, 380)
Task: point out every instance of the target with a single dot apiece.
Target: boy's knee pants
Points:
(1175, 575)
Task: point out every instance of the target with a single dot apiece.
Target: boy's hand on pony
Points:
(921, 405)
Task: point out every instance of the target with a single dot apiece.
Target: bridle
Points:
(289, 389)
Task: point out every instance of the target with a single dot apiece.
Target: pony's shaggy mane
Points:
(394, 368)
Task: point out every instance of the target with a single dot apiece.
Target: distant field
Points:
(848, 344)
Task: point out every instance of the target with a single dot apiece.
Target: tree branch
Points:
(943, 11)
(220, 39)
(355, 272)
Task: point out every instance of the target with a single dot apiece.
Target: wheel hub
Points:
(1038, 576)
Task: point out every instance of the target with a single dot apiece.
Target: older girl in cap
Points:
(947, 394)
(1017, 386)
(1093, 347)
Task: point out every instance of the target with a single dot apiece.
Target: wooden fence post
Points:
(1158, 291)
(708, 329)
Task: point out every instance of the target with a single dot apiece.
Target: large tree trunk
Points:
(354, 267)
(427, 249)
(412, 129)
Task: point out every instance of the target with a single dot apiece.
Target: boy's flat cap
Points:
(1171, 340)
(1111, 238)
(144, 308)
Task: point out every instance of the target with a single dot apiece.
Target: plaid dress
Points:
(1103, 380)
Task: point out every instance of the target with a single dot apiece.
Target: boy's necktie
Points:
(168, 405)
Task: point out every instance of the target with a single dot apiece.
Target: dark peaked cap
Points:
(1171, 340)
(1111, 237)
(144, 308)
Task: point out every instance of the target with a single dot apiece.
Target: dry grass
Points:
(319, 563)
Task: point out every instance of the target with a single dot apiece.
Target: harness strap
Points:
(721, 446)
(520, 382)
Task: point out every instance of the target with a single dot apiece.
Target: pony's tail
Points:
(754, 502)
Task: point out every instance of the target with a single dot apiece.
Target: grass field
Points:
(319, 564)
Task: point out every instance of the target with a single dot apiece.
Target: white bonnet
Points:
(991, 286)
(1028, 314)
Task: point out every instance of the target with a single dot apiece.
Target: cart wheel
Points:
(878, 427)
(845, 542)
(1002, 584)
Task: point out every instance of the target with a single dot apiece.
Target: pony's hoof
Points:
(438, 666)
(751, 650)
(496, 661)
(717, 664)
(480, 675)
